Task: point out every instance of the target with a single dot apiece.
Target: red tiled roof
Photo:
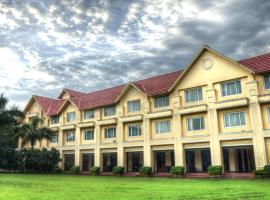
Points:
(50, 106)
(258, 64)
(73, 93)
(97, 99)
(157, 85)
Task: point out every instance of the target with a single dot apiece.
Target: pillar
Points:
(77, 149)
(120, 148)
(97, 147)
(147, 147)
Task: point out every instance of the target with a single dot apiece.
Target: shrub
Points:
(266, 171)
(215, 170)
(177, 170)
(74, 170)
(57, 170)
(259, 173)
(94, 171)
(146, 171)
(118, 171)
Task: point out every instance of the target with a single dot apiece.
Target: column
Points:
(120, 148)
(256, 124)
(147, 147)
(77, 147)
(97, 147)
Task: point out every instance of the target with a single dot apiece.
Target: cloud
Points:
(90, 45)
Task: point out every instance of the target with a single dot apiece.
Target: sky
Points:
(88, 45)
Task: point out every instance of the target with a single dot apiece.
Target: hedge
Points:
(215, 170)
(94, 170)
(118, 171)
(24, 160)
(177, 170)
(145, 171)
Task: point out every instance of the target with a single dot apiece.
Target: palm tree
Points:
(9, 121)
(30, 133)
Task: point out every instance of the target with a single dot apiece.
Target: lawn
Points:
(68, 187)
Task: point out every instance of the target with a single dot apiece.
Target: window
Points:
(88, 114)
(234, 119)
(267, 81)
(162, 101)
(134, 130)
(134, 106)
(163, 126)
(195, 123)
(194, 94)
(55, 119)
(89, 135)
(70, 116)
(110, 132)
(70, 136)
(231, 88)
(55, 138)
(268, 112)
(109, 111)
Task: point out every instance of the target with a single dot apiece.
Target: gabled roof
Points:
(72, 93)
(258, 64)
(157, 85)
(197, 56)
(48, 105)
(97, 99)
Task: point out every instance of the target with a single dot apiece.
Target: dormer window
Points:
(55, 119)
(267, 81)
(89, 114)
(162, 101)
(231, 87)
(70, 116)
(108, 111)
(134, 106)
(193, 94)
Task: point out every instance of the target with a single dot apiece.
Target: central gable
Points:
(210, 67)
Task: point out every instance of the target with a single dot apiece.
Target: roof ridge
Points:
(46, 97)
(257, 56)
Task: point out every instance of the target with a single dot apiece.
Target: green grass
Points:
(67, 187)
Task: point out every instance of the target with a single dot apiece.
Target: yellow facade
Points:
(208, 71)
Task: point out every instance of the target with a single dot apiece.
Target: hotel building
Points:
(214, 112)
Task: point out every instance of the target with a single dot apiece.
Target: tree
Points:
(32, 132)
(9, 122)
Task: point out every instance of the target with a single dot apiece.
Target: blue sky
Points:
(89, 45)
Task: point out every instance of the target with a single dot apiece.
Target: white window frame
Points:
(68, 137)
(199, 94)
(225, 84)
(202, 123)
(54, 117)
(92, 114)
(55, 138)
(133, 127)
(224, 118)
(159, 129)
(69, 119)
(161, 101)
(264, 81)
(109, 111)
(134, 105)
(91, 132)
(107, 134)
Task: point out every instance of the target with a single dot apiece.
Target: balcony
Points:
(86, 124)
(265, 98)
(107, 121)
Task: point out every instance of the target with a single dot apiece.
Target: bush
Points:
(146, 171)
(24, 161)
(177, 170)
(75, 170)
(266, 171)
(215, 170)
(118, 171)
(259, 173)
(94, 171)
(57, 170)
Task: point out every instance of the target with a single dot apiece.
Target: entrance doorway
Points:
(109, 161)
(134, 161)
(69, 161)
(164, 160)
(87, 161)
(238, 159)
(198, 160)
